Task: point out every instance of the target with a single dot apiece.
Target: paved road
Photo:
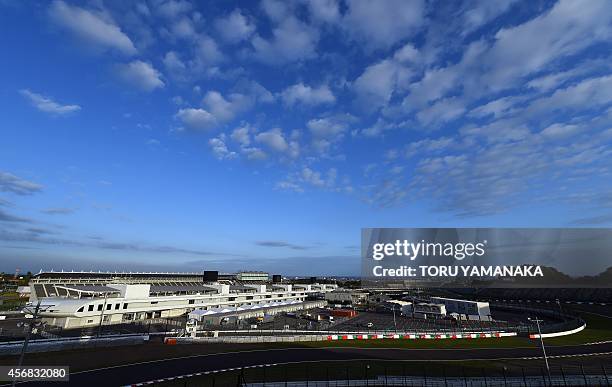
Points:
(157, 369)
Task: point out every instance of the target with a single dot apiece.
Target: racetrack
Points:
(165, 368)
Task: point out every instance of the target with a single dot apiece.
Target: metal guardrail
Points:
(60, 344)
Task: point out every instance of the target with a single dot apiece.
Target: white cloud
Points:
(276, 10)
(91, 27)
(560, 131)
(503, 130)
(183, 28)
(589, 93)
(407, 54)
(289, 186)
(326, 127)
(378, 82)
(482, 12)
(140, 75)
(566, 29)
(198, 119)
(242, 136)
(379, 127)
(219, 148)
(307, 176)
(442, 111)
(172, 9)
(47, 105)
(497, 108)
(218, 106)
(291, 41)
(438, 82)
(376, 85)
(382, 23)
(325, 11)
(208, 52)
(254, 154)
(235, 27)
(429, 145)
(312, 177)
(273, 139)
(227, 109)
(174, 65)
(516, 53)
(300, 93)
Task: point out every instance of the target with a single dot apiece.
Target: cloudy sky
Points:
(265, 134)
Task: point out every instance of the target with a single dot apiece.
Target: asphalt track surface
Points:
(165, 368)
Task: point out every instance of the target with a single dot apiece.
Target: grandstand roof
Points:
(182, 288)
(107, 274)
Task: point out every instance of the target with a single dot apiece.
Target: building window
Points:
(89, 321)
(153, 302)
(100, 308)
(90, 308)
(192, 301)
(117, 306)
(125, 306)
(109, 306)
(81, 309)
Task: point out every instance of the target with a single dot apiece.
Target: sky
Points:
(170, 135)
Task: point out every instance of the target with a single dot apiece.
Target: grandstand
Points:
(85, 299)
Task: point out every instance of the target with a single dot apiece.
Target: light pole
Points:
(537, 321)
(31, 325)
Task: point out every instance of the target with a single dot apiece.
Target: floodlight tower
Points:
(537, 321)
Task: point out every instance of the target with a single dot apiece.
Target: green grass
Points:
(11, 300)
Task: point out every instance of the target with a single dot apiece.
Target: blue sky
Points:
(169, 135)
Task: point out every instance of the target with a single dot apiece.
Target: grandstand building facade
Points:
(81, 299)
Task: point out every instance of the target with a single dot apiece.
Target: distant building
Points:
(403, 307)
(472, 310)
(427, 310)
(346, 297)
(252, 276)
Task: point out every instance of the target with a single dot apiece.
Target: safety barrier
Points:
(333, 337)
(558, 334)
(453, 336)
(48, 345)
